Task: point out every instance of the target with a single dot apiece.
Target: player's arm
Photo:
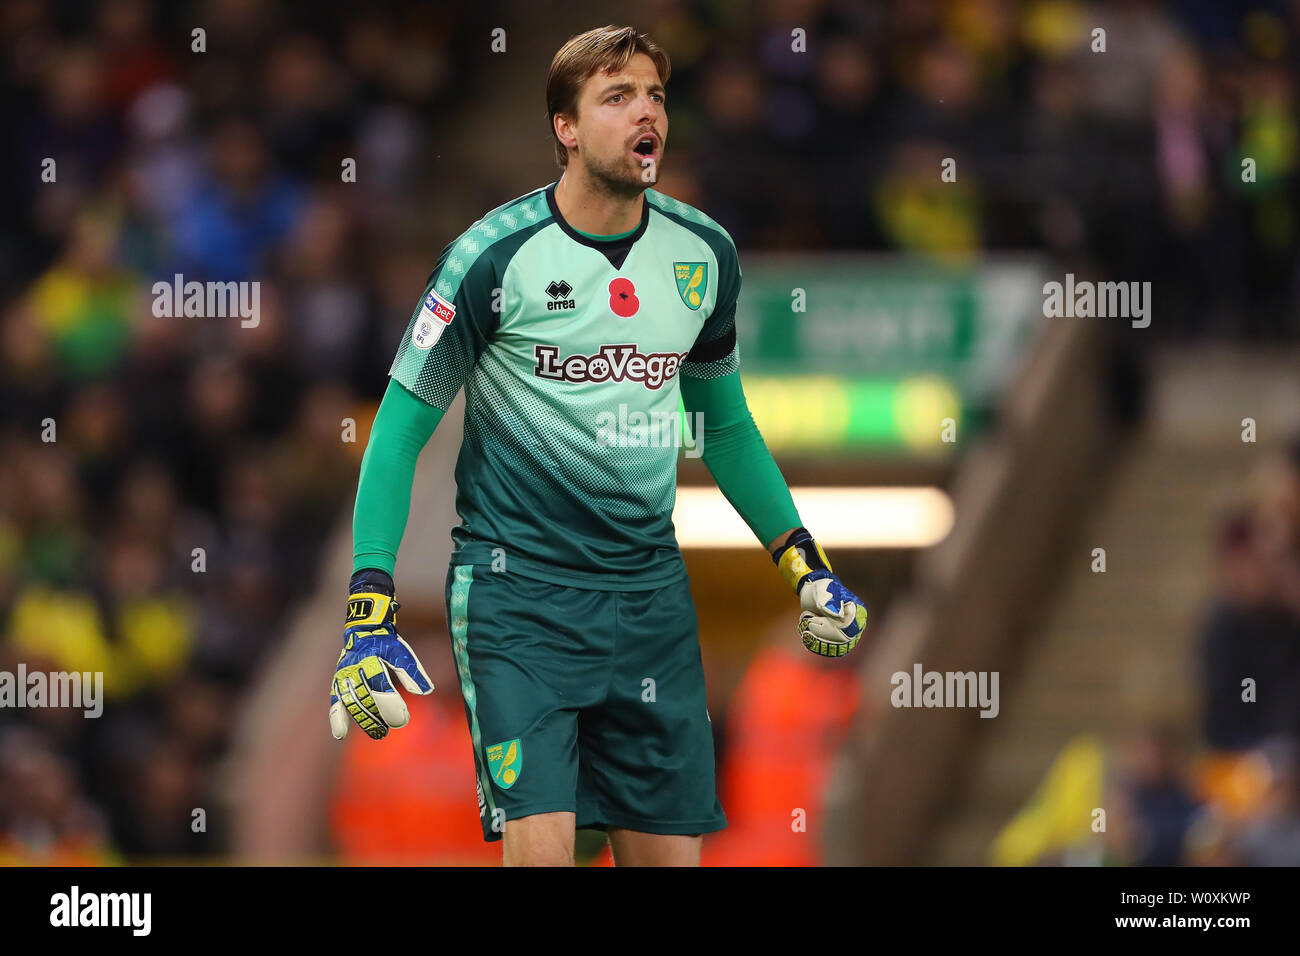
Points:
(832, 617)
(450, 325)
(362, 687)
(402, 427)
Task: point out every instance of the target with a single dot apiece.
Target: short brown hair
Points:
(602, 50)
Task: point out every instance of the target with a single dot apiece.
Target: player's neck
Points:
(598, 212)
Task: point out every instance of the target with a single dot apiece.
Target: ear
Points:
(565, 130)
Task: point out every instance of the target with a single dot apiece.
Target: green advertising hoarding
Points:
(892, 345)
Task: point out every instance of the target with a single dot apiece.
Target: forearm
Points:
(738, 458)
(402, 428)
(780, 539)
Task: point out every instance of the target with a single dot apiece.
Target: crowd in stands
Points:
(1124, 162)
(166, 480)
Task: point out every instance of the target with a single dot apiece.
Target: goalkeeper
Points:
(572, 624)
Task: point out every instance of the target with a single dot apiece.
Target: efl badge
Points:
(505, 762)
(435, 315)
(692, 279)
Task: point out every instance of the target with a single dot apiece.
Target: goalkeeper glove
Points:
(833, 617)
(372, 650)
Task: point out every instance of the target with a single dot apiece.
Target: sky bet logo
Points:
(612, 363)
(435, 315)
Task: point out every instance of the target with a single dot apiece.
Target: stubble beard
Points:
(615, 179)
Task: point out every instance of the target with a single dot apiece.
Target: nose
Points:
(647, 110)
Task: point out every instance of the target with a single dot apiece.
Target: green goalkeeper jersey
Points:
(570, 348)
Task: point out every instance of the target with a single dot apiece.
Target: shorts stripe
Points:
(460, 650)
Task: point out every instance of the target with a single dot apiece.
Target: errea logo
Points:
(611, 363)
(559, 293)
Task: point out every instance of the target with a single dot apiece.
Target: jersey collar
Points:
(615, 250)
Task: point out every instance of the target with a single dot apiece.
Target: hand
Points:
(833, 617)
(362, 686)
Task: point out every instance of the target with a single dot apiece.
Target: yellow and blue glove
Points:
(362, 687)
(833, 617)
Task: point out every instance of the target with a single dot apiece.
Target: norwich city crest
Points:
(505, 762)
(692, 280)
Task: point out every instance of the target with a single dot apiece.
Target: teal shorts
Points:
(585, 701)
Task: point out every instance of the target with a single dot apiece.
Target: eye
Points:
(657, 97)
(616, 96)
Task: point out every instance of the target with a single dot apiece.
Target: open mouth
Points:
(645, 147)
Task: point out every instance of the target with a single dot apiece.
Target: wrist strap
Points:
(370, 598)
(800, 557)
(372, 579)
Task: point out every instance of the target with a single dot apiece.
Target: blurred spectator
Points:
(1273, 837)
(84, 302)
(1250, 649)
(1055, 825)
(237, 212)
(1250, 644)
(1140, 785)
(786, 721)
(1156, 797)
(44, 818)
(134, 59)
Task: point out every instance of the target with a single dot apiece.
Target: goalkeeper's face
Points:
(622, 126)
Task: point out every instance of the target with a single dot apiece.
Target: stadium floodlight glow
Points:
(862, 517)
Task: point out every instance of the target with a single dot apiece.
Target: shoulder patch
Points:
(435, 315)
